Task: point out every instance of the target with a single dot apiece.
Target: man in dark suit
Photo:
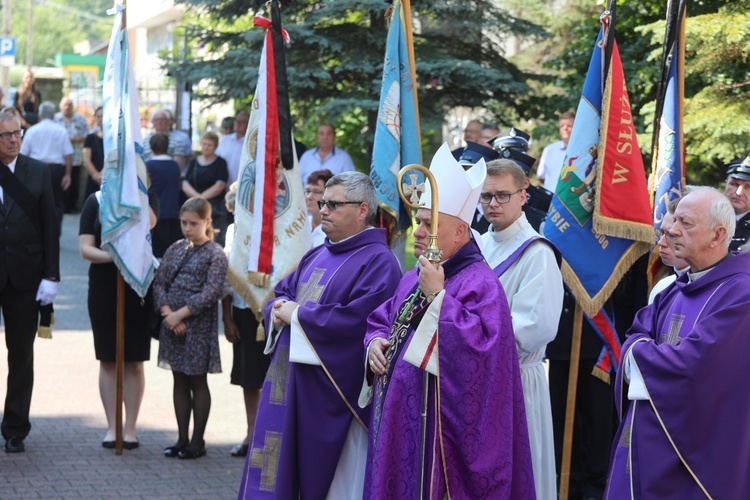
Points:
(738, 183)
(29, 270)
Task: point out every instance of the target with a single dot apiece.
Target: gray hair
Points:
(46, 110)
(504, 166)
(230, 199)
(159, 111)
(6, 116)
(358, 187)
(721, 212)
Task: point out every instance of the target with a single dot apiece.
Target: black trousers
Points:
(20, 312)
(593, 428)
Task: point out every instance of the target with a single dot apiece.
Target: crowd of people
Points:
(371, 383)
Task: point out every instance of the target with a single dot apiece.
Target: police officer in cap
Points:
(470, 155)
(738, 191)
(513, 145)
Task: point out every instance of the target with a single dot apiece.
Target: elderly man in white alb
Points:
(528, 268)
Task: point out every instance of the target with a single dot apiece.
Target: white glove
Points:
(47, 292)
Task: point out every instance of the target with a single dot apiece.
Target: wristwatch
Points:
(431, 296)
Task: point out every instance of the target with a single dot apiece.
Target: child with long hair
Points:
(187, 289)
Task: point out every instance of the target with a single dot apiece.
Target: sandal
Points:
(239, 450)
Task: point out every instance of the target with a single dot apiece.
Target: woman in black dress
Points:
(207, 177)
(27, 100)
(93, 155)
(102, 302)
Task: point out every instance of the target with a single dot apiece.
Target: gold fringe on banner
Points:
(263, 280)
(260, 334)
(601, 375)
(626, 229)
(592, 305)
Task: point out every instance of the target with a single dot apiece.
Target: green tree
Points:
(336, 56)
(58, 25)
(717, 85)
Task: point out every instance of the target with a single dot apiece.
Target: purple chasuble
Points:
(305, 410)
(691, 438)
(477, 439)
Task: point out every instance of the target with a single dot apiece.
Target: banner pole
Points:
(570, 407)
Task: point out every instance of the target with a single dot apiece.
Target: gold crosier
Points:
(410, 194)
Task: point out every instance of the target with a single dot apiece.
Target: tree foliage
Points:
(336, 56)
(58, 25)
(717, 82)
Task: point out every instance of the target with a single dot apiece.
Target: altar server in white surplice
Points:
(529, 270)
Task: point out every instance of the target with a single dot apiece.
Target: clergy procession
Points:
(473, 329)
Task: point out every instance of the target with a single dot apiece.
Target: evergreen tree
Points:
(336, 56)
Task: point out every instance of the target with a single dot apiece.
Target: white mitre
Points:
(458, 189)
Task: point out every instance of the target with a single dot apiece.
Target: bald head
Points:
(703, 227)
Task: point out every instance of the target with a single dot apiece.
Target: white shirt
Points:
(47, 142)
(337, 161)
(230, 148)
(551, 163)
(12, 167)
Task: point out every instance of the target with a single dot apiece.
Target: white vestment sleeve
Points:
(422, 349)
(637, 389)
(300, 349)
(365, 394)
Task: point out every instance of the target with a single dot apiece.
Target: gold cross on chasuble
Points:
(311, 290)
(267, 460)
(675, 325)
(278, 375)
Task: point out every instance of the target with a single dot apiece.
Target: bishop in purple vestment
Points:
(685, 431)
(452, 320)
(308, 411)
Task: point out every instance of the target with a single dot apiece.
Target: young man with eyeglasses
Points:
(310, 438)
(528, 267)
(29, 270)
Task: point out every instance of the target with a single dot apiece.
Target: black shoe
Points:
(110, 445)
(239, 450)
(15, 445)
(173, 451)
(130, 445)
(190, 454)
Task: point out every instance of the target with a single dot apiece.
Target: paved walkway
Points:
(64, 457)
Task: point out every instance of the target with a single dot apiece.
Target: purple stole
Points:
(626, 476)
(504, 265)
(409, 314)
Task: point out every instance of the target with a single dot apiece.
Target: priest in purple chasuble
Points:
(310, 438)
(453, 321)
(685, 412)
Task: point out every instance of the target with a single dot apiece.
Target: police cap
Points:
(740, 169)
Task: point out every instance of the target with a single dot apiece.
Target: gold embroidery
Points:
(675, 325)
(311, 290)
(278, 374)
(267, 460)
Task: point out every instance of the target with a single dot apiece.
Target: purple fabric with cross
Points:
(306, 410)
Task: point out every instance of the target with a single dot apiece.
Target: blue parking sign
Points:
(7, 46)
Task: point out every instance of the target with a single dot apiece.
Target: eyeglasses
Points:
(333, 205)
(500, 198)
(316, 192)
(7, 135)
(659, 233)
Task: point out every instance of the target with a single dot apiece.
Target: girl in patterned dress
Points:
(187, 289)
